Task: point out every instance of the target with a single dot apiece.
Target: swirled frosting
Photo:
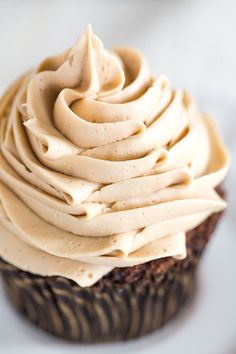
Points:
(102, 165)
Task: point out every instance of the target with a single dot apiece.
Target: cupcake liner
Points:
(93, 315)
(125, 304)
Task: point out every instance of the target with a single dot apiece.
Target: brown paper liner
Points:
(125, 304)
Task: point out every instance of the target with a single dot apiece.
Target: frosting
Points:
(102, 165)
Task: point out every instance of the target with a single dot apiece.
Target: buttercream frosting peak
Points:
(99, 71)
(102, 165)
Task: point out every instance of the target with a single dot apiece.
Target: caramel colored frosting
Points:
(102, 165)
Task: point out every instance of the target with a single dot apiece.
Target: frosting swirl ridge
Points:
(107, 165)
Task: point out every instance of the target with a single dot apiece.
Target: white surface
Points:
(193, 42)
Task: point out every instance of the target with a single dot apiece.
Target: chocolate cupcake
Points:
(108, 191)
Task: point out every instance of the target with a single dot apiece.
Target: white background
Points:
(193, 42)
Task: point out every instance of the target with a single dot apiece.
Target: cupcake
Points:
(110, 188)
